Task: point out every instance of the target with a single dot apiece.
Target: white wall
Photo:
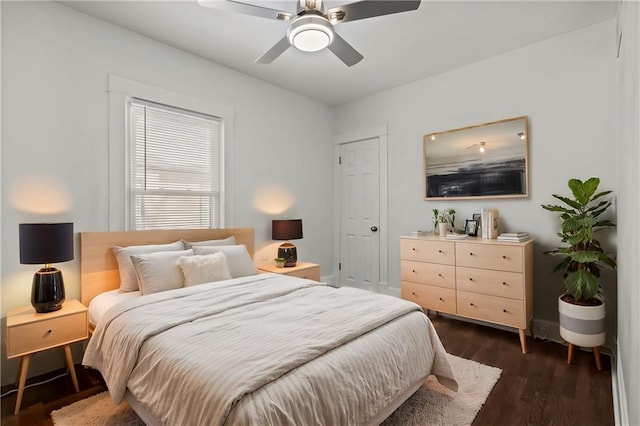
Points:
(628, 363)
(567, 88)
(55, 67)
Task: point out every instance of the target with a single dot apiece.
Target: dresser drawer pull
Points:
(504, 310)
(471, 304)
(470, 253)
(440, 275)
(439, 251)
(49, 331)
(441, 299)
(413, 270)
(413, 248)
(504, 257)
(470, 279)
(504, 283)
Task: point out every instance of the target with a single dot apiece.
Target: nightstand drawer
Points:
(37, 336)
(309, 273)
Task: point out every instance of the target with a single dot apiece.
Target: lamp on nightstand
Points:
(46, 243)
(287, 229)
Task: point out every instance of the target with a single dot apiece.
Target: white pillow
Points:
(204, 268)
(230, 241)
(238, 259)
(128, 279)
(159, 271)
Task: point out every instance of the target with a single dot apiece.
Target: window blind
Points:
(175, 167)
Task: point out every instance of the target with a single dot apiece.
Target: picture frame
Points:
(471, 227)
(487, 160)
(478, 217)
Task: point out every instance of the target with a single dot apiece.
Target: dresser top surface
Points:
(473, 240)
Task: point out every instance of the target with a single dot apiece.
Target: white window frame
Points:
(121, 90)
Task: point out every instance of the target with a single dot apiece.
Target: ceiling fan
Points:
(311, 27)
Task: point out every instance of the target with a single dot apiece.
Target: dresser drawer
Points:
(495, 309)
(309, 273)
(428, 273)
(490, 256)
(495, 283)
(36, 336)
(429, 297)
(428, 251)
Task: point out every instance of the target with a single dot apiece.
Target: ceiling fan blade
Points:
(247, 9)
(344, 51)
(368, 9)
(277, 50)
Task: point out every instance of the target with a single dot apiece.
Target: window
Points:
(175, 168)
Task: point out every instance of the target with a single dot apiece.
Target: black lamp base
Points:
(47, 290)
(289, 253)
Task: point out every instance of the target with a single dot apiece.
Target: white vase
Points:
(582, 325)
(443, 227)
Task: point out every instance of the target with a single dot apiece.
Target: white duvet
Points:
(265, 349)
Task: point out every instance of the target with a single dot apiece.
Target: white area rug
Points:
(432, 404)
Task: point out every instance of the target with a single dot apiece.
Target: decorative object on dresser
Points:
(286, 230)
(443, 221)
(474, 278)
(489, 223)
(488, 160)
(46, 243)
(310, 271)
(29, 332)
(582, 308)
(471, 227)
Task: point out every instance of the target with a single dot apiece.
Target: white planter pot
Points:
(443, 227)
(582, 325)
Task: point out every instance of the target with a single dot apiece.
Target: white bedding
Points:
(266, 349)
(104, 301)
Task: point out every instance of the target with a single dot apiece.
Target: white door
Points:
(360, 214)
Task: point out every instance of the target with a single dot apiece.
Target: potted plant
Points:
(442, 220)
(582, 308)
(280, 261)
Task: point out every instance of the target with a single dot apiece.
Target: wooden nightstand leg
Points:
(24, 367)
(18, 372)
(72, 370)
(523, 340)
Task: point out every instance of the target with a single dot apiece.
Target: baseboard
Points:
(620, 408)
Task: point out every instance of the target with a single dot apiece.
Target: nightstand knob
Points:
(49, 331)
(504, 310)
(471, 304)
(414, 294)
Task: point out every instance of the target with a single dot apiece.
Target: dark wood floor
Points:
(538, 388)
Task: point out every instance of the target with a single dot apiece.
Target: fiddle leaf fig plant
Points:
(582, 255)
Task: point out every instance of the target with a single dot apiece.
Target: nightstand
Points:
(306, 270)
(29, 332)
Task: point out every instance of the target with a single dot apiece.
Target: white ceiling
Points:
(397, 49)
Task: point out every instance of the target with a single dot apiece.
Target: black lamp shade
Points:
(42, 243)
(285, 230)
(46, 243)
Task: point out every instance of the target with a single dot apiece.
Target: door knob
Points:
(374, 229)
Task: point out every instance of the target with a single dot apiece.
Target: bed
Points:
(254, 349)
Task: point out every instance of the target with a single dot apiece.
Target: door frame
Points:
(381, 133)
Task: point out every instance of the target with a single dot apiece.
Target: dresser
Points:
(486, 280)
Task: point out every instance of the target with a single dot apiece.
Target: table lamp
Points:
(46, 243)
(287, 229)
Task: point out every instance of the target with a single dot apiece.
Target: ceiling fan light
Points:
(310, 33)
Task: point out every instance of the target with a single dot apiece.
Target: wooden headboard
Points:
(98, 266)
